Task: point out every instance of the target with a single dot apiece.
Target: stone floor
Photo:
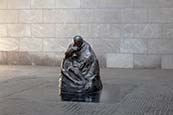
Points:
(33, 90)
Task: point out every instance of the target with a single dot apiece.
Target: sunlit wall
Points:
(123, 33)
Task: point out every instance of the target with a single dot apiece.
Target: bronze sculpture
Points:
(80, 72)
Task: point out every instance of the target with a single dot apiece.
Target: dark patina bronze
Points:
(80, 72)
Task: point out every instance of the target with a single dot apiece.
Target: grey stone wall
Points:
(123, 33)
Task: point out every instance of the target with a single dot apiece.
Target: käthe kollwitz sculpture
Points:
(80, 72)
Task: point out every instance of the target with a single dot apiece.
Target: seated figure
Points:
(80, 72)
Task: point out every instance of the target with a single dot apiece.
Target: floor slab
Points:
(33, 90)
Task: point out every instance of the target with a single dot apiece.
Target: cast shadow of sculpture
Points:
(80, 73)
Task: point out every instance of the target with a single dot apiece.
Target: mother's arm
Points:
(71, 49)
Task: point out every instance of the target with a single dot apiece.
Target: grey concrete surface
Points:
(33, 90)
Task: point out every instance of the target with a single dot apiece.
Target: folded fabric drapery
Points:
(80, 72)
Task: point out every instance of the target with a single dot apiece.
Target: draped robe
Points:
(80, 72)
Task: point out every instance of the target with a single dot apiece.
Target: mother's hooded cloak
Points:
(80, 72)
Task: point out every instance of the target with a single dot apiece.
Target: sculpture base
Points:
(91, 97)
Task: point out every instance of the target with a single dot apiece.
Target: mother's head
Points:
(78, 40)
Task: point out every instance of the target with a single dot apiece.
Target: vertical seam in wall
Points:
(161, 60)
(6, 7)
(55, 5)
(147, 43)
(119, 44)
(42, 15)
(80, 4)
(121, 33)
(18, 16)
(80, 29)
(80, 23)
(56, 30)
(122, 25)
(30, 4)
(31, 30)
(148, 21)
(132, 3)
(133, 58)
(121, 16)
(162, 31)
(19, 44)
(121, 40)
(7, 30)
(42, 45)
